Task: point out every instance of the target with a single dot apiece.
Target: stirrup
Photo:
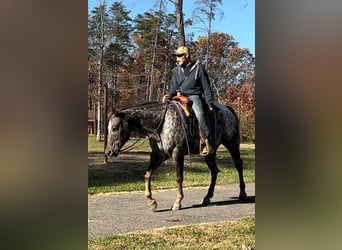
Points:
(206, 149)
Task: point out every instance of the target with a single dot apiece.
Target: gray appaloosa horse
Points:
(170, 135)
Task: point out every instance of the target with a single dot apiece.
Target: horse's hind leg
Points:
(211, 162)
(234, 150)
(155, 161)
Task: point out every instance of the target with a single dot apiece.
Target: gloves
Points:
(165, 98)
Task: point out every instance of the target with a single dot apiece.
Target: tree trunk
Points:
(207, 62)
(94, 119)
(180, 22)
(98, 124)
(105, 122)
(100, 84)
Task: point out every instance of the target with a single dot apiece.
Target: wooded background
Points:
(130, 62)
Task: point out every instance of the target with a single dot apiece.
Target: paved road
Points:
(111, 214)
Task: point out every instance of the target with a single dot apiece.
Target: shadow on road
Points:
(234, 200)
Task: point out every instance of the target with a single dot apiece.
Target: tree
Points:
(153, 35)
(134, 58)
(242, 99)
(117, 51)
(179, 21)
(205, 13)
(97, 35)
(219, 72)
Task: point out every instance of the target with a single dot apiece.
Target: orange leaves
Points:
(241, 98)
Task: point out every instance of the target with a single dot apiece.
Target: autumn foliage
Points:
(131, 57)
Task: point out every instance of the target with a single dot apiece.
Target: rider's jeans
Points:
(198, 109)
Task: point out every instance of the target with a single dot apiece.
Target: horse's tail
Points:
(233, 111)
(236, 117)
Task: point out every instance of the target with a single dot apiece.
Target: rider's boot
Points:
(207, 148)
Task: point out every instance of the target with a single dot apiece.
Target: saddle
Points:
(189, 118)
(184, 102)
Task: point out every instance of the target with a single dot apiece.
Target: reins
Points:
(187, 144)
(132, 146)
(184, 130)
(161, 121)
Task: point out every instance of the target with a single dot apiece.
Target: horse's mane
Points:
(144, 105)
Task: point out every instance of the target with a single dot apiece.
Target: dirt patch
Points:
(247, 146)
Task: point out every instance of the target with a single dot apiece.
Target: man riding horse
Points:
(190, 79)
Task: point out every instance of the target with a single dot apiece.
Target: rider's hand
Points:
(211, 107)
(165, 98)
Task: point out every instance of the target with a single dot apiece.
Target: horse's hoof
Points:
(242, 196)
(206, 201)
(176, 207)
(153, 205)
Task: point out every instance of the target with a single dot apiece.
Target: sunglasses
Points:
(180, 55)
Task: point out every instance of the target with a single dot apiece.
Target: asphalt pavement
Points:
(118, 213)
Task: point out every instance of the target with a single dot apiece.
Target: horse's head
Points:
(119, 132)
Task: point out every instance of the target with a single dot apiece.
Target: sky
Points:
(238, 19)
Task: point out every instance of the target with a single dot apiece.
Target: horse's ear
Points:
(114, 112)
(111, 113)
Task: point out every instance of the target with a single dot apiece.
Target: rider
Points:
(191, 79)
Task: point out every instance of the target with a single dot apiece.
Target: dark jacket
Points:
(196, 82)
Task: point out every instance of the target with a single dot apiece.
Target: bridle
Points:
(134, 145)
(118, 138)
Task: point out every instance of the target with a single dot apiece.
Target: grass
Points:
(126, 172)
(223, 235)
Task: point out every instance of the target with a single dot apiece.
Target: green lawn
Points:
(126, 172)
(219, 235)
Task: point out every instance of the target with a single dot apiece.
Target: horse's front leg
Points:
(151, 203)
(179, 161)
(155, 160)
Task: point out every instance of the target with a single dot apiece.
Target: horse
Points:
(171, 136)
